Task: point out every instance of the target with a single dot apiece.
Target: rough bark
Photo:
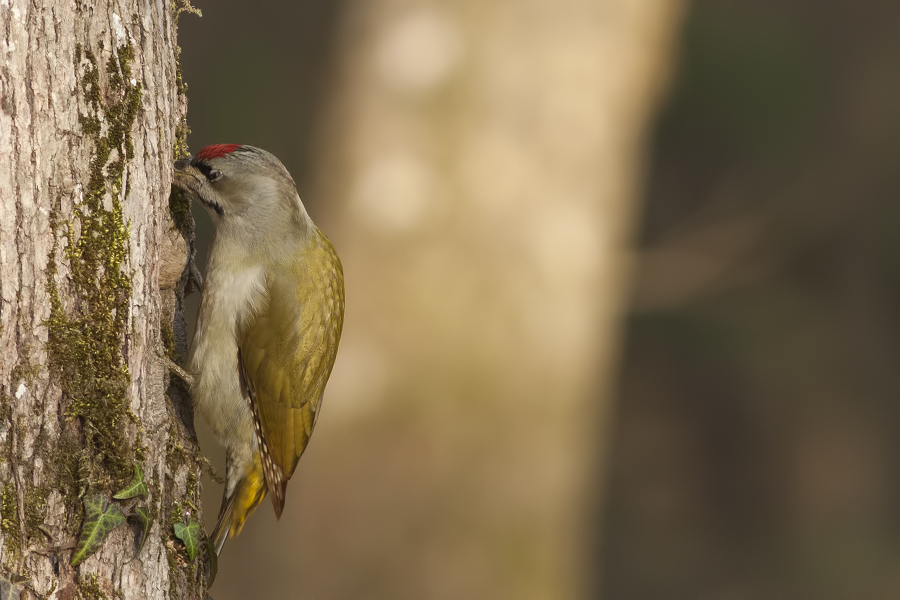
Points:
(92, 271)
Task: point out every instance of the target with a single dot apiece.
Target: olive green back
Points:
(289, 349)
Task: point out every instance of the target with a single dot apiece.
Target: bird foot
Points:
(173, 367)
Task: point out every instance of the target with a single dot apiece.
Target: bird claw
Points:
(173, 367)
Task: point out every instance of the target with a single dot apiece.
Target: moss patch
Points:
(179, 206)
(180, 209)
(9, 521)
(168, 339)
(25, 371)
(178, 8)
(85, 348)
(88, 588)
(35, 497)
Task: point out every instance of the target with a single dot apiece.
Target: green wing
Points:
(287, 352)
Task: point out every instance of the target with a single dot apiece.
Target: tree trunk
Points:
(92, 274)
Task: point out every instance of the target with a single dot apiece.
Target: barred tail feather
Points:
(276, 482)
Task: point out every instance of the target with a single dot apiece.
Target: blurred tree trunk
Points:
(92, 272)
(481, 165)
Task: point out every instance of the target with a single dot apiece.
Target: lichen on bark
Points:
(85, 344)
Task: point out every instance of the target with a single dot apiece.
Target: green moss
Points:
(9, 520)
(35, 508)
(176, 456)
(179, 206)
(88, 588)
(174, 567)
(69, 465)
(139, 447)
(181, 134)
(168, 340)
(25, 371)
(36, 495)
(178, 8)
(85, 348)
(180, 209)
(181, 568)
(191, 500)
(183, 6)
(5, 412)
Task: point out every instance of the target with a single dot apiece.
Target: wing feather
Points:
(289, 349)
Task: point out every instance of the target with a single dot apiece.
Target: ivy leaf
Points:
(190, 535)
(144, 517)
(137, 487)
(100, 518)
(11, 589)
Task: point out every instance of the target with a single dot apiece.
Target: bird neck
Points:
(247, 240)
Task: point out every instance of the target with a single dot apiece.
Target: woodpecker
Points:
(270, 320)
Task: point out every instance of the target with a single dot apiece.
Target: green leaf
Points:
(144, 517)
(100, 518)
(12, 588)
(190, 535)
(137, 487)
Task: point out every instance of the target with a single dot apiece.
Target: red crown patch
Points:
(216, 151)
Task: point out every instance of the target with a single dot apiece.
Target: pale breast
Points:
(229, 298)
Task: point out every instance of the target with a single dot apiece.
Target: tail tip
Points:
(278, 498)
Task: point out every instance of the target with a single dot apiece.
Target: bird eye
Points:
(213, 175)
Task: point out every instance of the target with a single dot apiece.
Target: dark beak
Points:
(183, 163)
(185, 175)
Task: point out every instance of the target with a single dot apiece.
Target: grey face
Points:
(197, 180)
(242, 183)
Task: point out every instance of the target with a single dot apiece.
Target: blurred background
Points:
(623, 281)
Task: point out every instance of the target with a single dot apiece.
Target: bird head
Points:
(241, 186)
